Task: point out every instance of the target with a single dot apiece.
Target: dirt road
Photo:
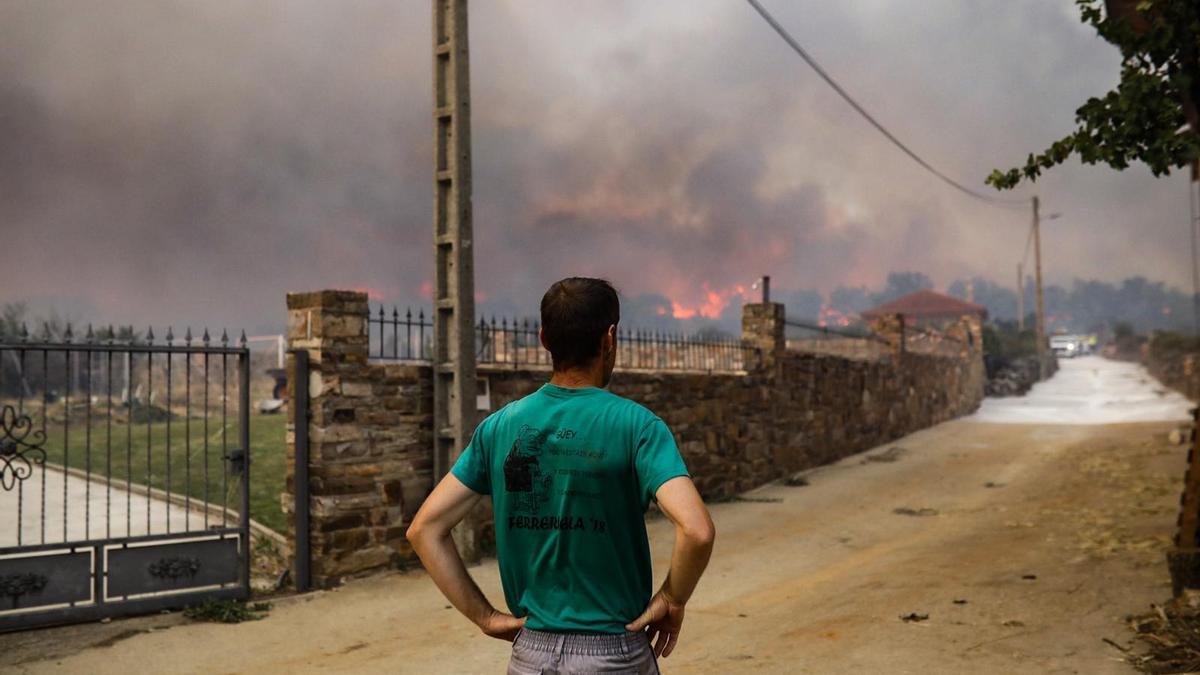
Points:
(1025, 545)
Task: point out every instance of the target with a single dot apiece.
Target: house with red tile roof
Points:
(927, 304)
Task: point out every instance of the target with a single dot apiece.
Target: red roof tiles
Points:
(927, 304)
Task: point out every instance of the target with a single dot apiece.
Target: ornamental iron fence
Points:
(511, 342)
(123, 473)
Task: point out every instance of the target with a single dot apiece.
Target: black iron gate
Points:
(123, 475)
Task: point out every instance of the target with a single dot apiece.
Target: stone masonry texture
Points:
(371, 434)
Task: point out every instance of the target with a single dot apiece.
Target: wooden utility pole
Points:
(1041, 309)
(454, 262)
(1020, 298)
(1194, 205)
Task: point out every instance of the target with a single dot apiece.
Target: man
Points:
(571, 470)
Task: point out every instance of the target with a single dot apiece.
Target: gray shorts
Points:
(539, 653)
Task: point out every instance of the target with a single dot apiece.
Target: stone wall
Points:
(1175, 369)
(846, 347)
(371, 436)
(737, 432)
(370, 439)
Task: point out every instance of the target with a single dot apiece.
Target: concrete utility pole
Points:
(454, 283)
(1041, 309)
(1020, 298)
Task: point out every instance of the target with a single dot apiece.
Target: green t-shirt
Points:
(571, 473)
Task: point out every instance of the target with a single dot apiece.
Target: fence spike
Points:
(112, 335)
(90, 336)
(24, 332)
(149, 335)
(68, 334)
(381, 312)
(205, 337)
(421, 316)
(395, 313)
(243, 340)
(224, 338)
(187, 337)
(504, 323)
(170, 336)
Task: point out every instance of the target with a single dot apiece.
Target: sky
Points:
(174, 163)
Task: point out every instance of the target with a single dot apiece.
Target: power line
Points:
(867, 116)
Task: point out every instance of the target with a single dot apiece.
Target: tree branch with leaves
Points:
(1151, 116)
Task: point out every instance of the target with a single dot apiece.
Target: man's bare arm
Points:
(430, 537)
(694, 535)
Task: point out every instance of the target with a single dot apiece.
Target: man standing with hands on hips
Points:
(571, 470)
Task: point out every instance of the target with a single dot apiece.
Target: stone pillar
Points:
(968, 330)
(890, 327)
(347, 506)
(970, 327)
(762, 327)
(975, 328)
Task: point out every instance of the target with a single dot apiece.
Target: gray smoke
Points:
(175, 162)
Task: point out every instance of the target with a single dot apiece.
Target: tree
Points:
(1000, 300)
(850, 299)
(803, 304)
(1151, 116)
(12, 318)
(900, 284)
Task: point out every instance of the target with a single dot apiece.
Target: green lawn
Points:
(128, 443)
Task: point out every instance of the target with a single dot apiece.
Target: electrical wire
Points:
(867, 116)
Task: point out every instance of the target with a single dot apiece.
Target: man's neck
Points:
(577, 378)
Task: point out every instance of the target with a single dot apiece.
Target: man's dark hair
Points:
(576, 313)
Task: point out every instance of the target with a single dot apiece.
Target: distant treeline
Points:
(1087, 306)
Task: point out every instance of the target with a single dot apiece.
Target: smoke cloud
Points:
(181, 162)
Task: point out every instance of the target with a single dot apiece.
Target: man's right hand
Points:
(501, 625)
(662, 621)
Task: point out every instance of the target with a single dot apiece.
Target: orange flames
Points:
(830, 316)
(712, 305)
